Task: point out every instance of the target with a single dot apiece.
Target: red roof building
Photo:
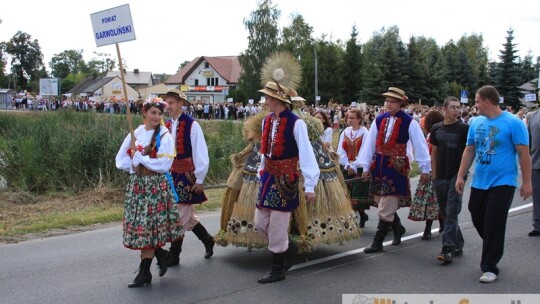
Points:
(207, 79)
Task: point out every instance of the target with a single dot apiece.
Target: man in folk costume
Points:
(384, 159)
(285, 146)
(189, 169)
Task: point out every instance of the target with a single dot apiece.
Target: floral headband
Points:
(156, 102)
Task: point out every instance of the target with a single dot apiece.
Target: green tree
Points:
(416, 71)
(67, 62)
(33, 83)
(3, 77)
(528, 70)
(70, 81)
(352, 68)
(385, 58)
(297, 39)
(508, 76)
(262, 42)
(183, 64)
(461, 72)
(4, 81)
(330, 61)
(98, 66)
(477, 55)
(26, 58)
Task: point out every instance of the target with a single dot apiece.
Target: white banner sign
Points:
(48, 86)
(530, 97)
(250, 101)
(113, 25)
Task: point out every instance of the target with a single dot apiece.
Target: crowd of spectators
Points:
(238, 110)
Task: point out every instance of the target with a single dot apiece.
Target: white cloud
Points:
(170, 32)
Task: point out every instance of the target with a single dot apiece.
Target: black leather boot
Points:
(174, 253)
(378, 239)
(144, 276)
(205, 238)
(363, 218)
(278, 269)
(162, 257)
(441, 225)
(398, 229)
(427, 230)
(289, 254)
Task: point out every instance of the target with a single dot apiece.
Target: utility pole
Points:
(316, 75)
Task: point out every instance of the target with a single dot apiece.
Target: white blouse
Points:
(343, 158)
(165, 154)
(327, 136)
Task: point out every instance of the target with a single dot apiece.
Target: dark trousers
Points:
(489, 211)
(450, 205)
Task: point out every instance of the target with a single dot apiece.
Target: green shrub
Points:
(73, 151)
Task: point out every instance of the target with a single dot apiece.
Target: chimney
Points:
(136, 71)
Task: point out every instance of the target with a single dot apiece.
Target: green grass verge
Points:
(41, 223)
(11, 229)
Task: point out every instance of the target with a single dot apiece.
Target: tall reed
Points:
(70, 151)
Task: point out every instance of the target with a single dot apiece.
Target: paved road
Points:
(93, 267)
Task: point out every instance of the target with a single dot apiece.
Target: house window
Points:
(196, 82)
(217, 80)
(206, 65)
(208, 81)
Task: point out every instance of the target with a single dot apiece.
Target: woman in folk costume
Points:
(385, 161)
(330, 219)
(150, 215)
(326, 138)
(238, 204)
(350, 142)
(284, 139)
(424, 206)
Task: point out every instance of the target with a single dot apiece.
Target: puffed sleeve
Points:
(421, 151)
(306, 159)
(369, 144)
(123, 160)
(200, 153)
(343, 159)
(165, 155)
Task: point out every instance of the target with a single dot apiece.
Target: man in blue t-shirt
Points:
(495, 138)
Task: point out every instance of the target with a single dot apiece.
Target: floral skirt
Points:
(150, 214)
(424, 205)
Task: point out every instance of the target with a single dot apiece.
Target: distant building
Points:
(101, 89)
(530, 87)
(135, 79)
(207, 79)
(5, 98)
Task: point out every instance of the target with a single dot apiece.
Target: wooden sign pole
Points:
(128, 111)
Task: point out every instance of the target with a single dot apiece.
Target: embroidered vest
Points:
(397, 143)
(283, 144)
(183, 136)
(352, 147)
